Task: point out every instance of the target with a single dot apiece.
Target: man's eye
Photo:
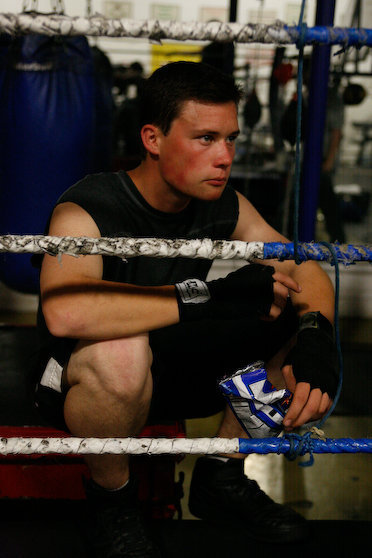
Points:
(206, 138)
(232, 139)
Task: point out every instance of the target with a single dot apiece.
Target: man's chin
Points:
(212, 192)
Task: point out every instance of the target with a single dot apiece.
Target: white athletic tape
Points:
(99, 26)
(132, 247)
(133, 446)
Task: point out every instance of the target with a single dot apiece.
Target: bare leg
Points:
(274, 366)
(109, 396)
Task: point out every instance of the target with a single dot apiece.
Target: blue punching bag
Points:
(104, 111)
(46, 136)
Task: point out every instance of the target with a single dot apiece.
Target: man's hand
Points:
(307, 404)
(282, 286)
(310, 371)
(254, 290)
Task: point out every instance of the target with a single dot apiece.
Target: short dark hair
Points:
(171, 85)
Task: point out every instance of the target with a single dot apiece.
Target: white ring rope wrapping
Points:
(99, 26)
(124, 247)
(133, 446)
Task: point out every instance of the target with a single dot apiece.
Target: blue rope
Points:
(337, 333)
(288, 445)
(307, 445)
(297, 175)
(327, 35)
(305, 442)
(346, 254)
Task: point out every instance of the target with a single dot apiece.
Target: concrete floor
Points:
(336, 487)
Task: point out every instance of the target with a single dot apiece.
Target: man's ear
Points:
(150, 138)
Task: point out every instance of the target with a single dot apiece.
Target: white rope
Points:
(198, 446)
(206, 248)
(99, 26)
(133, 446)
(132, 247)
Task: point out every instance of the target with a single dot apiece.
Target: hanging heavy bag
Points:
(252, 110)
(354, 94)
(46, 139)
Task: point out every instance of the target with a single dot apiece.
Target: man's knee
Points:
(116, 367)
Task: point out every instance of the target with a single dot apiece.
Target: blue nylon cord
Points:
(304, 442)
(298, 157)
(337, 333)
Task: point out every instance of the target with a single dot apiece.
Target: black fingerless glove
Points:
(242, 293)
(314, 356)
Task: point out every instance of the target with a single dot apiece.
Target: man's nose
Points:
(225, 154)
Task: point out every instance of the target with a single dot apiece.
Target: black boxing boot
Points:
(117, 529)
(221, 492)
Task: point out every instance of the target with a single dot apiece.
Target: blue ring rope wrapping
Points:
(283, 445)
(332, 35)
(346, 254)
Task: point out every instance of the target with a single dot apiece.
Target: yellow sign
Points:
(173, 52)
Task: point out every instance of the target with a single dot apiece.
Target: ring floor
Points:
(58, 534)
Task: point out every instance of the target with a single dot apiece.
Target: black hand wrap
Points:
(242, 293)
(314, 356)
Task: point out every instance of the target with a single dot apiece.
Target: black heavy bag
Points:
(46, 136)
(252, 110)
(354, 94)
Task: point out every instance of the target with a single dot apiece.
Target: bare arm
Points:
(78, 303)
(315, 294)
(316, 287)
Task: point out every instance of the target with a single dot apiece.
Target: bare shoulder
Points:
(69, 219)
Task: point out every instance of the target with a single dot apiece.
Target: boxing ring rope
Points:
(156, 30)
(125, 247)
(174, 446)
(290, 445)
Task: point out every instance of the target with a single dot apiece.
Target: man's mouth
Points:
(217, 181)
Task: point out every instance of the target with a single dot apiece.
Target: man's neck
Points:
(155, 190)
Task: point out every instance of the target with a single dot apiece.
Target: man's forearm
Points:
(317, 290)
(96, 309)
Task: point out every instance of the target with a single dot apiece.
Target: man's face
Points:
(195, 156)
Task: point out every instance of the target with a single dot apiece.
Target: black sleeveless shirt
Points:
(119, 210)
